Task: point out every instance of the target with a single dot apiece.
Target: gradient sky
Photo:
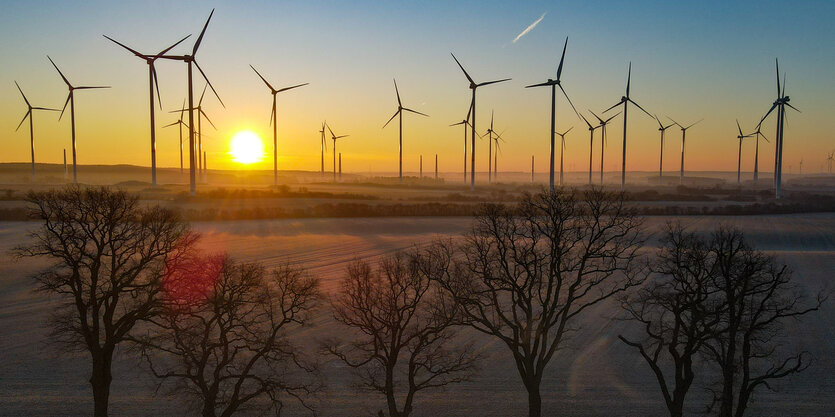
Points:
(690, 60)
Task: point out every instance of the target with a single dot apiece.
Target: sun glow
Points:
(246, 147)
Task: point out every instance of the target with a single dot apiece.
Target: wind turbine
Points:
(29, 108)
(465, 123)
(683, 133)
(829, 159)
(274, 115)
(179, 123)
(496, 140)
(200, 115)
(554, 83)
(758, 133)
(474, 86)
(662, 129)
(191, 61)
(152, 82)
(562, 153)
(489, 134)
(625, 100)
(399, 112)
(739, 156)
(71, 102)
(323, 146)
(780, 104)
(591, 143)
(334, 138)
(603, 138)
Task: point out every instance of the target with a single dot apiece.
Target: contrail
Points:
(529, 28)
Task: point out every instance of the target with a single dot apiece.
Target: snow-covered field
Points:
(594, 376)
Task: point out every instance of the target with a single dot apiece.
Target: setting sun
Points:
(246, 147)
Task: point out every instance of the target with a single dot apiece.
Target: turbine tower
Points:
(29, 114)
(179, 123)
(780, 104)
(153, 81)
(473, 87)
(399, 112)
(554, 83)
(562, 153)
(465, 123)
(323, 146)
(496, 140)
(71, 102)
(591, 143)
(739, 155)
(603, 139)
(625, 100)
(274, 119)
(490, 132)
(662, 129)
(190, 61)
(334, 138)
(683, 134)
(758, 134)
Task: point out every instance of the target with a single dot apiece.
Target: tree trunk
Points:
(534, 399)
(100, 382)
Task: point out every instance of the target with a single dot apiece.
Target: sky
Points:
(690, 60)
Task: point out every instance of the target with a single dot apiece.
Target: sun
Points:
(246, 147)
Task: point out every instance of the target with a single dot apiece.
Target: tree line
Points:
(226, 336)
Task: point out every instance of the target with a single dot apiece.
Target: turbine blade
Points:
(207, 118)
(202, 94)
(493, 82)
(202, 32)
(21, 93)
(459, 123)
(28, 112)
(660, 125)
(629, 79)
(329, 130)
(272, 112)
(396, 91)
(462, 69)
(562, 59)
(156, 83)
(613, 116)
(290, 88)
(91, 87)
(343, 136)
(569, 100)
(416, 112)
(792, 107)
(124, 46)
(739, 127)
(59, 72)
(262, 78)
(69, 97)
(691, 124)
(209, 82)
(586, 120)
(171, 124)
(171, 47)
(392, 118)
(773, 106)
(44, 108)
(610, 108)
(546, 83)
(639, 106)
(598, 117)
(777, 63)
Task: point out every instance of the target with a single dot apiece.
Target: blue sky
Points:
(691, 60)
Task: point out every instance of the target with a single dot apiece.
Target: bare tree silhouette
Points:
(678, 312)
(225, 340)
(404, 341)
(110, 255)
(758, 298)
(525, 273)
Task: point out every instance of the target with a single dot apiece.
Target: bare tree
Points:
(759, 298)
(678, 311)
(404, 341)
(225, 340)
(525, 274)
(109, 258)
